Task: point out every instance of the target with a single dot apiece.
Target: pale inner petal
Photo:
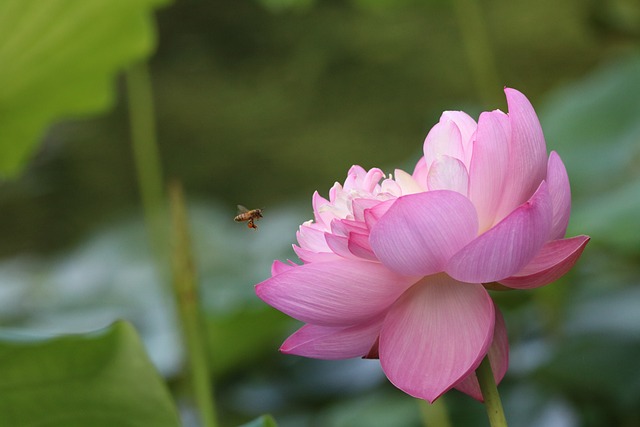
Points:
(448, 173)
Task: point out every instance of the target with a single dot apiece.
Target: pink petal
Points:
(360, 179)
(373, 214)
(349, 226)
(311, 239)
(329, 343)
(435, 334)
(509, 246)
(338, 227)
(527, 153)
(467, 127)
(407, 183)
(312, 256)
(498, 357)
(465, 123)
(358, 206)
(334, 293)
(339, 245)
(420, 173)
(278, 266)
(489, 166)
(419, 232)
(360, 247)
(390, 187)
(552, 262)
(334, 192)
(355, 176)
(560, 195)
(443, 139)
(372, 178)
(321, 216)
(448, 173)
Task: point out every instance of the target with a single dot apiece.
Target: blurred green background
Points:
(261, 102)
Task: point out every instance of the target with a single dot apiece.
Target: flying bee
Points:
(250, 216)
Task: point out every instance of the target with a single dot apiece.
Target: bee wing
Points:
(242, 209)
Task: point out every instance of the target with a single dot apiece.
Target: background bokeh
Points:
(262, 102)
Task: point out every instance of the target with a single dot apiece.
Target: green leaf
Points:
(262, 421)
(594, 126)
(611, 218)
(97, 379)
(58, 59)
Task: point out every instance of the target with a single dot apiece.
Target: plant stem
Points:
(434, 414)
(149, 171)
(185, 287)
(146, 158)
(490, 394)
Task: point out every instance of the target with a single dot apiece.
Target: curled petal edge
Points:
(560, 192)
(328, 343)
(554, 260)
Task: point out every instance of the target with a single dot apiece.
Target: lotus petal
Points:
(435, 335)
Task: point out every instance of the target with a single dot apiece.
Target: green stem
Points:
(146, 157)
(149, 171)
(434, 414)
(186, 291)
(490, 394)
(477, 45)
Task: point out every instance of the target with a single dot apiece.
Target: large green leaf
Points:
(594, 126)
(97, 379)
(58, 59)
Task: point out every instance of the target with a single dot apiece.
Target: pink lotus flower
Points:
(397, 268)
